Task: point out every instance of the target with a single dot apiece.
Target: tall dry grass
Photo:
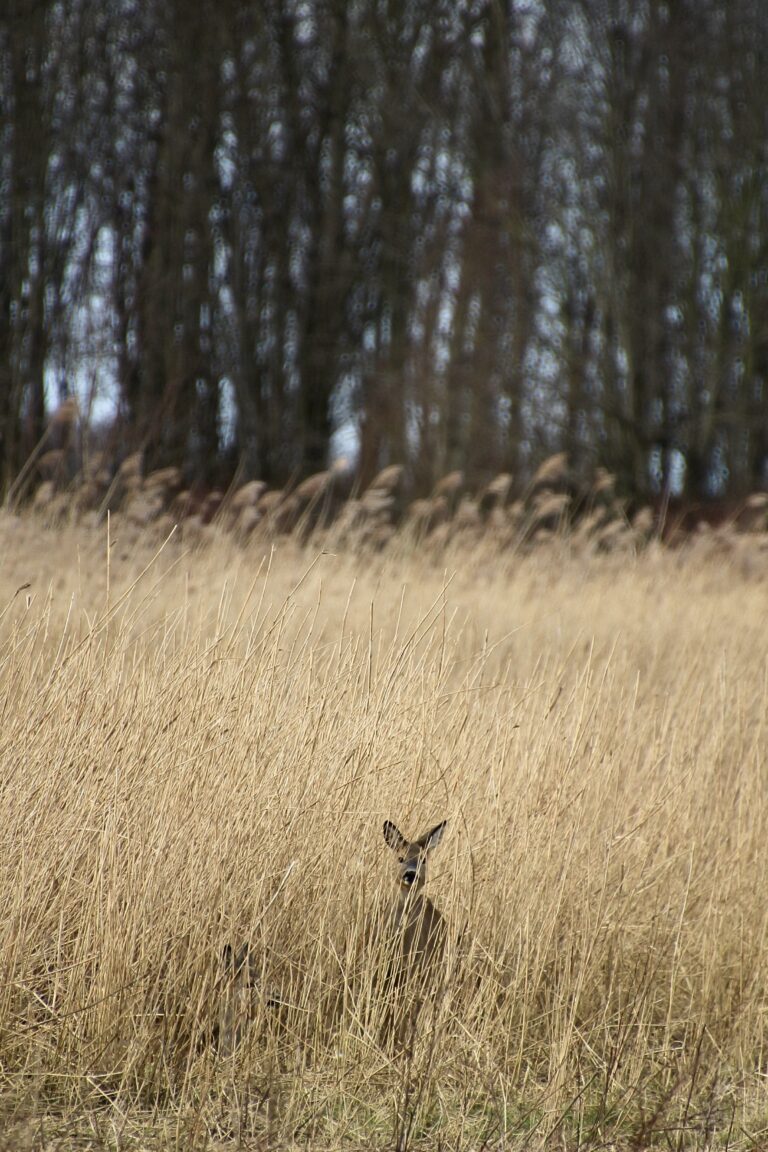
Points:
(199, 749)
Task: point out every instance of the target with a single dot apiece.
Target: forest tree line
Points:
(453, 234)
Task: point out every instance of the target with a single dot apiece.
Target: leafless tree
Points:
(461, 235)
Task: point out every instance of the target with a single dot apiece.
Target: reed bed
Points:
(200, 748)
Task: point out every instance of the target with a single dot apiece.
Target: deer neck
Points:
(411, 902)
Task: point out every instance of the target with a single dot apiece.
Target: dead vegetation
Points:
(200, 747)
(330, 511)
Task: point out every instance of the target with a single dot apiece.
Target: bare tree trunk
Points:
(23, 343)
(323, 320)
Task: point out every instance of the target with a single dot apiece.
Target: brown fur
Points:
(415, 935)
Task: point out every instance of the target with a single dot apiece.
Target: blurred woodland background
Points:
(254, 235)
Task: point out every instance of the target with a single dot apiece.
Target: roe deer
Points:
(237, 980)
(241, 993)
(415, 935)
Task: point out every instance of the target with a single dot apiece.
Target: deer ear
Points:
(432, 838)
(394, 837)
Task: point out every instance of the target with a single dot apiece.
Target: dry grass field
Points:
(200, 748)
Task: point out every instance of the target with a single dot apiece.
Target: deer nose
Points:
(409, 876)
